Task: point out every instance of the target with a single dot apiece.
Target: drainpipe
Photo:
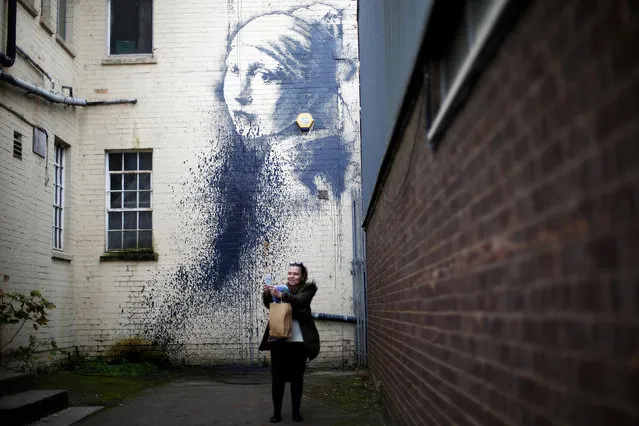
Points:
(53, 97)
(334, 317)
(7, 59)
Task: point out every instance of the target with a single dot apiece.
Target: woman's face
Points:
(254, 95)
(294, 275)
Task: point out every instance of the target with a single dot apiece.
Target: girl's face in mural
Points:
(254, 95)
(294, 275)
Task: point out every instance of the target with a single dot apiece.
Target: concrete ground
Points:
(244, 398)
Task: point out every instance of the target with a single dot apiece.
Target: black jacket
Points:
(300, 300)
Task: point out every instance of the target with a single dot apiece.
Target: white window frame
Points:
(59, 181)
(478, 40)
(122, 209)
(128, 55)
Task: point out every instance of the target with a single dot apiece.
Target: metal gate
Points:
(359, 280)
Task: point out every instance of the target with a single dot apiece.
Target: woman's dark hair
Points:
(303, 270)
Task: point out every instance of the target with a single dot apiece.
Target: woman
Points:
(289, 355)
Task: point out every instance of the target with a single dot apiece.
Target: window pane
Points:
(130, 220)
(145, 199)
(114, 240)
(129, 239)
(145, 180)
(116, 182)
(145, 161)
(145, 239)
(131, 161)
(130, 200)
(115, 162)
(131, 182)
(115, 220)
(116, 200)
(145, 220)
(62, 19)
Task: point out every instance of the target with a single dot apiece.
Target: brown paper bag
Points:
(280, 320)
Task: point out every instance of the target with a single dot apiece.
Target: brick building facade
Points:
(176, 205)
(503, 265)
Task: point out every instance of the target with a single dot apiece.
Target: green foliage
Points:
(17, 308)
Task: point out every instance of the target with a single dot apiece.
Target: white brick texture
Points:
(177, 116)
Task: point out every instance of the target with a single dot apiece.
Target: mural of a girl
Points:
(278, 66)
(258, 189)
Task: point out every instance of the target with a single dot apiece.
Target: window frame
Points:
(109, 209)
(478, 34)
(59, 194)
(124, 56)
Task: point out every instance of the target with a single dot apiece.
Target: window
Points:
(131, 27)
(473, 15)
(459, 48)
(62, 19)
(58, 196)
(129, 213)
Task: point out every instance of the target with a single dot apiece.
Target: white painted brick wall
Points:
(26, 199)
(100, 303)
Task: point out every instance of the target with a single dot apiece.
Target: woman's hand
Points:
(266, 288)
(275, 292)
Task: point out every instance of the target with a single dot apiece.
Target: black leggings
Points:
(288, 363)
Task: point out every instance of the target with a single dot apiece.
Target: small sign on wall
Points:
(40, 142)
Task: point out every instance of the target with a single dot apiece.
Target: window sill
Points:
(130, 59)
(65, 46)
(47, 25)
(129, 255)
(464, 79)
(28, 4)
(56, 254)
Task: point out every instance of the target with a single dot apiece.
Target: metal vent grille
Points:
(17, 145)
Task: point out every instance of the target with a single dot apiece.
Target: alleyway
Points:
(242, 399)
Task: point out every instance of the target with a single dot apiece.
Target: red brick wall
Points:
(503, 269)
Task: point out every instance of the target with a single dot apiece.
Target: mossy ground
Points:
(100, 383)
